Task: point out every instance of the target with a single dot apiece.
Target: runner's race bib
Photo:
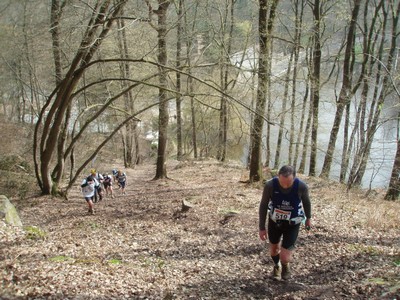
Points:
(87, 190)
(281, 215)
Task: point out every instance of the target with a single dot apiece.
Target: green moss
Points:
(34, 233)
(377, 280)
(115, 261)
(87, 261)
(9, 211)
(397, 262)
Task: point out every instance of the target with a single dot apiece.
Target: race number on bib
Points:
(87, 190)
(281, 214)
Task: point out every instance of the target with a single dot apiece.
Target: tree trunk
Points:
(283, 112)
(344, 92)
(178, 81)
(393, 191)
(346, 146)
(302, 165)
(161, 170)
(315, 85)
(225, 57)
(269, 104)
(294, 142)
(190, 85)
(130, 142)
(265, 29)
(193, 118)
(268, 113)
(56, 12)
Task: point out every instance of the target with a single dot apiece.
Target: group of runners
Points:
(284, 206)
(97, 186)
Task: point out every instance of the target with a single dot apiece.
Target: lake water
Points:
(383, 150)
(381, 159)
(382, 153)
(384, 145)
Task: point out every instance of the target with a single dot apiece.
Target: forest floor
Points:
(143, 246)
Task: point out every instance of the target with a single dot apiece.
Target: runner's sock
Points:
(275, 259)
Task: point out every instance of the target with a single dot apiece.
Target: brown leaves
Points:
(138, 247)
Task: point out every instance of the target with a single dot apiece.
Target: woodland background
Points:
(239, 79)
(199, 102)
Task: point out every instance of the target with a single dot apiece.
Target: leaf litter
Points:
(195, 236)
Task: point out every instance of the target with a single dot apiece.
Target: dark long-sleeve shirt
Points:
(267, 196)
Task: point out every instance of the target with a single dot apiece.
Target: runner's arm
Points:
(263, 209)
(305, 198)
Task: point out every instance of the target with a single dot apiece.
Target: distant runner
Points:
(114, 174)
(121, 178)
(107, 183)
(99, 190)
(88, 191)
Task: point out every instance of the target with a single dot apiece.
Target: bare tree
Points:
(188, 29)
(294, 147)
(369, 34)
(293, 144)
(393, 191)
(56, 13)
(315, 83)
(49, 128)
(383, 88)
(226, 49)
(163, 118)
(344, 92)
(265, 28)
(129, 135)
(178, 79)
(285, 100)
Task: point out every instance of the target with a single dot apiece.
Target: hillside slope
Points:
(142, 246)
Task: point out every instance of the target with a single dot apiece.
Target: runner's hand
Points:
(308, 224)
(263, 235)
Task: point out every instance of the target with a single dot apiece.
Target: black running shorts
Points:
(283, 230)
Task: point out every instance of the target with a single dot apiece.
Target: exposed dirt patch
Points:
(143, 246)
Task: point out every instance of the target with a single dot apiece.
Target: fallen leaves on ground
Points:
(145, 246)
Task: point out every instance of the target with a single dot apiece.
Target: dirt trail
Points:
(142, 246)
